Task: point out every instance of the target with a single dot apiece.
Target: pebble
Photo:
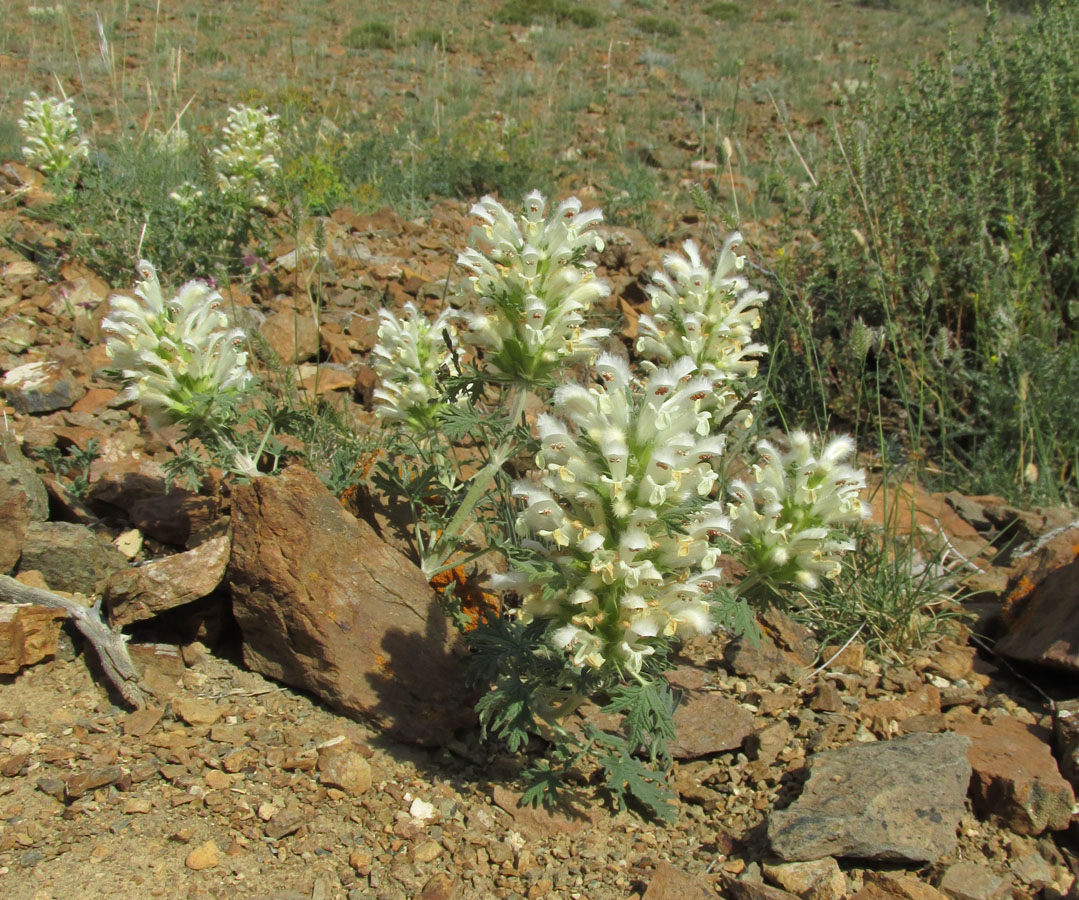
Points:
(205, 856)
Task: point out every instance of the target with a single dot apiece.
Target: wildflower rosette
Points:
(410, 357)
(53, 140)
(246, 161)
(786, 517)
(708, 316)
(178, 358)
(533, 287)
(618, 525)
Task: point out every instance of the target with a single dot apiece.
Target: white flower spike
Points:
(178, 358)
(533, 287)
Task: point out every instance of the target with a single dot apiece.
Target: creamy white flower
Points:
(532, 287)
(178, 358)
(246, 161)
(626, 462)
(51, 131)
(410, 357)
(785, 517)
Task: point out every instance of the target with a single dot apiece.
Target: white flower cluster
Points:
(619, 513)
(178, 358)
(786, 516)
(51, 131)
(707, 316)
(246, 161)
(533, 287)
(410, 354)
(173, 141)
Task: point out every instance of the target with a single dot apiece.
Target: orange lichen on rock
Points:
(476, 602)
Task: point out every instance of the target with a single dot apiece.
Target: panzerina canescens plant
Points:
(53, 141)
(533, 288)
(787, 515)
(619, 512)
(410, 358)
(179, 358)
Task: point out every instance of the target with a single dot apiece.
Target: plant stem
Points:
(436, 560)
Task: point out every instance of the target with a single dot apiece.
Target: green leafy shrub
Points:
(948, 224)
(659, 25)
(373, 35)
(725, 11)
(528, 12)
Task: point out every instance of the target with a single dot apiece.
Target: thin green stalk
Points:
(436, 560)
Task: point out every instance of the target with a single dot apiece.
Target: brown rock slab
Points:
(671, 883)
(888, 800)
(325, 605)
(1016, 780)
(136, 485)
(1041, 606)
(142, 721)
(924, 701)
(70, 557)
(784, 651)
(538, 824)
(1066, 739)
(751, 890)
(195, 711)
(15, 515)
(292, 337)
(28, 634)
(708, 723)
(817, 879)
(41, 387)
(141, 592)
(440, 886)
(894, 886)
(77, 785)
(966, 880)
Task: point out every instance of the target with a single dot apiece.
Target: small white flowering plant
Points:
(183, 363)
(247, 160)
(54, 141)
(618, 508)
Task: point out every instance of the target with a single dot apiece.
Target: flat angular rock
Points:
(70, 557)
(1016, 780)
(28, 634)
(41, 387)
(292, 337)
(1066, 739)
(891, 800)
(967, 880)
(895, 886)
(141, 592)
(785, 650)
(1041, 608)
(818, 879)
(539, 824)
(137, 487)
(708, 723)
(325, 605)
(671, 883)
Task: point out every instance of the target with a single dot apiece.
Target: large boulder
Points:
(325, 605)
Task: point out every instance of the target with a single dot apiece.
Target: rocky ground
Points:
(801, 771)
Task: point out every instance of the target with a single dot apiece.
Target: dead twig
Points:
(111, 646)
